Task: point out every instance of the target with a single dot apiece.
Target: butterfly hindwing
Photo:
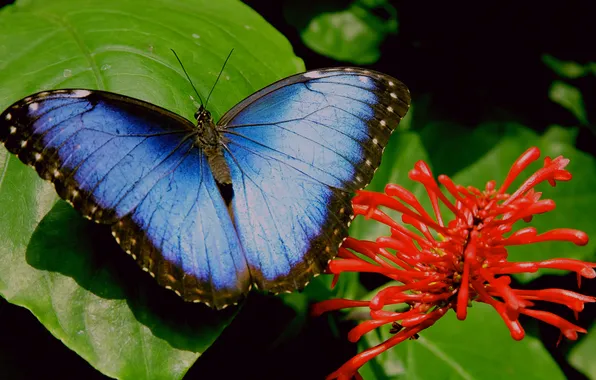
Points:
(298, 149)
(186, 236)
(128, 163)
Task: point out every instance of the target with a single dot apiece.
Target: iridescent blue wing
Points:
(298, 149)
(131, 164)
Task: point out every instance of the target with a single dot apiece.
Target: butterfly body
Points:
(210, 139)
(293, 153)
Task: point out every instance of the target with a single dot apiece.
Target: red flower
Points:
(464, 260)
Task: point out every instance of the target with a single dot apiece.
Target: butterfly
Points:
(262, 197)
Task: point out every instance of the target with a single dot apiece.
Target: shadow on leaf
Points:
(65, 244)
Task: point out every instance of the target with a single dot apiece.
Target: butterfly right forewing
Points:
(298, 149)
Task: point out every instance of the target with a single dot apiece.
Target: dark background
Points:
(472, 61)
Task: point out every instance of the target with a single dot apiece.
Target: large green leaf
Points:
(68, 271)
(478, 348)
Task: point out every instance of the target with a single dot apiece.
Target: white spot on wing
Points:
(33, 106)
(8, 116)
(313, 74)
(12, 130)
(37, 156)
(23, 143)
(81, 93)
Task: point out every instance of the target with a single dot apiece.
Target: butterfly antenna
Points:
(220, 72)
(185, 73)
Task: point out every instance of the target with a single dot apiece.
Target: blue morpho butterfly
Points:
(292, 155)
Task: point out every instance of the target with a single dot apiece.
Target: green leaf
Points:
(570, 98)
(351, 34)
(478, 348)
(67, 271)
(569, 69)
(581, 355)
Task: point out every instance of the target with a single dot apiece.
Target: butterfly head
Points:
(203, 116)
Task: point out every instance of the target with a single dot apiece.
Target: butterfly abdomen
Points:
(219, 166)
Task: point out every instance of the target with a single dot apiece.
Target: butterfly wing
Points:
(128, 163)
(297, 150)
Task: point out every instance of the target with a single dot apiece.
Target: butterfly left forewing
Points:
(128, 163)
(96, 147)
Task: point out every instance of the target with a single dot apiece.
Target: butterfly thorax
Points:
(210, 140)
